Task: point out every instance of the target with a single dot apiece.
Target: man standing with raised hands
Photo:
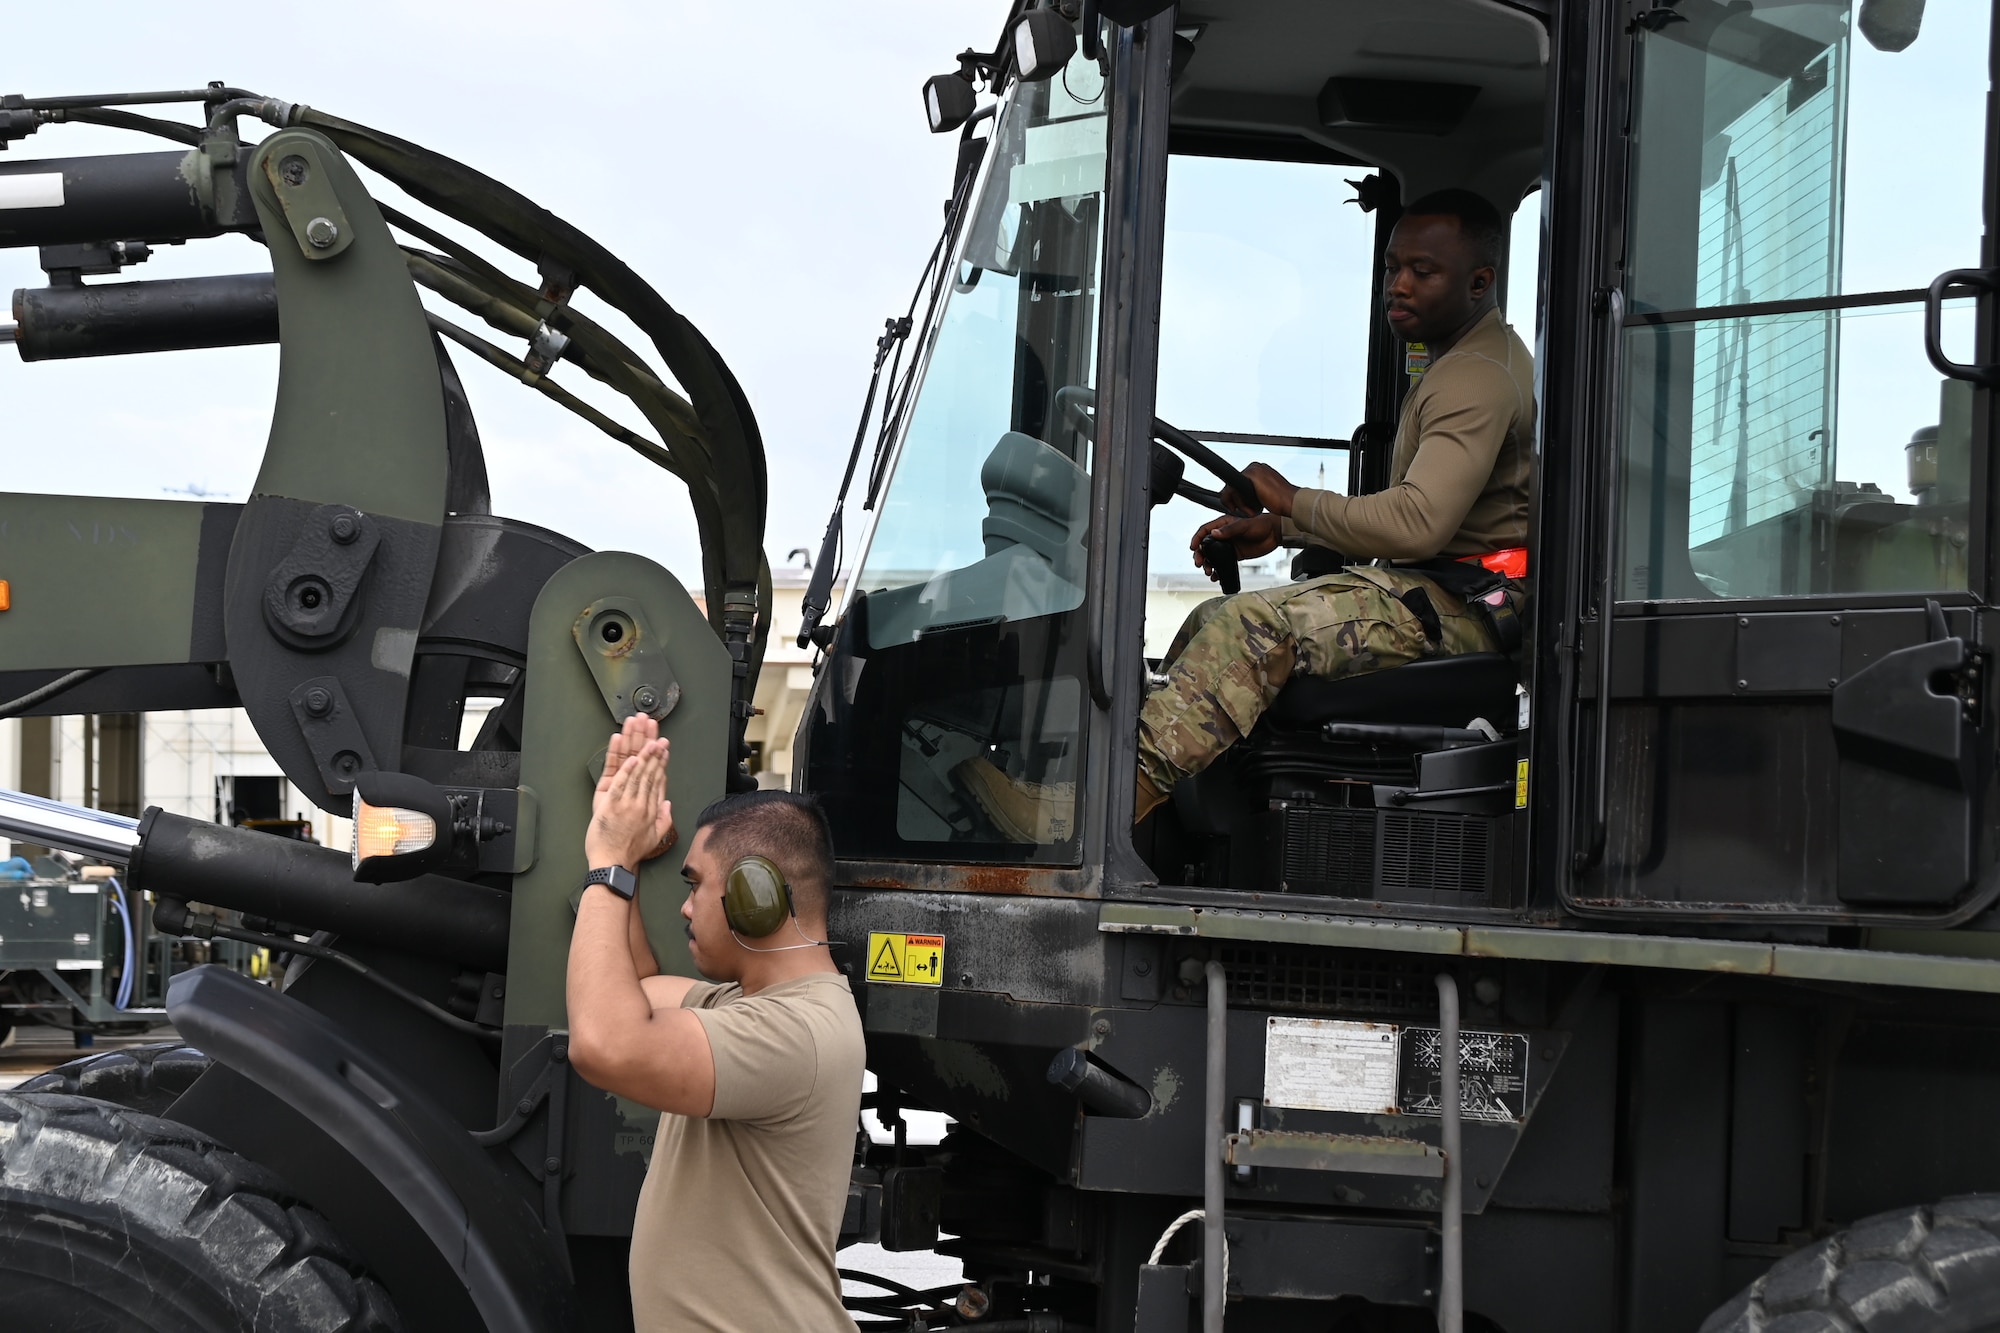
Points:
(757, 1072)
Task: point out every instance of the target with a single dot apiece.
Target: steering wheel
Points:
(1078, 404)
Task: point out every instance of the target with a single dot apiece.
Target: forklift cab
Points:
(1745, 251)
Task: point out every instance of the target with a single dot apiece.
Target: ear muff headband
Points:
(755, 898)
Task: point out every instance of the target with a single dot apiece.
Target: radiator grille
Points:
(1294, 977)
(1436, 853)
(1328, 849)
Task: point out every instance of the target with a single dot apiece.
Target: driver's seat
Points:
(1449, 690)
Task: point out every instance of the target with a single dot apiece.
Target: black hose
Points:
(499, 359)
(172, 917)
(125, 120)
(48, 691)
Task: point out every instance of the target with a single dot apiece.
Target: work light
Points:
(1044, 41)
(948, 102)
(402, 827)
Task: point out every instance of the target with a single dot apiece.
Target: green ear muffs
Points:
(755, 898)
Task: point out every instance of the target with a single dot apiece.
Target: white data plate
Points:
(1321, 1064)
(41, 190)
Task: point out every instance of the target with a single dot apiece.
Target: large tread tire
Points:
(112, 1220)
(1920, 1270)
(146, 1079)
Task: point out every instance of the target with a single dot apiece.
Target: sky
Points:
(767, 168)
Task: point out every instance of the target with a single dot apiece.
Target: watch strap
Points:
(615, 878)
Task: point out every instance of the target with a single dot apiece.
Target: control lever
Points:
(1220, 557)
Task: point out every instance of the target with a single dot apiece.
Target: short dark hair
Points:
(787, 828)
(1478, 221)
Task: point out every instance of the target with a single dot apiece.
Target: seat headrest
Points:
(1036, 496)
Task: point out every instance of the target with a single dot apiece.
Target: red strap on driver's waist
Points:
(1511, 563)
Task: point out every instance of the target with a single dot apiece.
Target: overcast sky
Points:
(766, 167)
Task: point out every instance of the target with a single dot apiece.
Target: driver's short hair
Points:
(784, 827)
(1479, 222)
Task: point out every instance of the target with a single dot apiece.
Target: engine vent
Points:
(1433, 853)
(1328, 849)
(1299, 978)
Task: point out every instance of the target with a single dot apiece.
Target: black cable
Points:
(278, 944)
(94, 100)
(125, 120)
(499, 359)
(48, 691)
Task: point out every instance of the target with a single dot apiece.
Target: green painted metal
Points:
(1296, 927)
(97, 582)
(564, 729)
(1356, 1154)
(354, 321)
(303, 184)
(628, 659)
(1867, 967)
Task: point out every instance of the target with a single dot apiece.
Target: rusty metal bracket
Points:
(298, 173)
(627, 659)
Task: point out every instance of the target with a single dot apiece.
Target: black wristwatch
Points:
(615, 878)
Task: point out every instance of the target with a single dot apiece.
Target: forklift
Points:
(1577, 988)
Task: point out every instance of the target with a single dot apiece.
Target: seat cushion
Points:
(1444, 691)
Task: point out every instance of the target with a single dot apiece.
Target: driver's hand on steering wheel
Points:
(1251, 537)
(1273, 491)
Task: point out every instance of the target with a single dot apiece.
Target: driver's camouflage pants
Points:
(1235, 653)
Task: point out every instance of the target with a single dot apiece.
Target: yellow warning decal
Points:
(911, 960)
(1521, 784)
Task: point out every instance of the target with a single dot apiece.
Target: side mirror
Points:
(948, 102)
(402, 827)
(1044, 41)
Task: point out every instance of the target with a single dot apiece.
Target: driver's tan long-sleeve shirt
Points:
(1463, 466)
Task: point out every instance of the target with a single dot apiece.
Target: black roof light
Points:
(948, 101)
(1044, 41)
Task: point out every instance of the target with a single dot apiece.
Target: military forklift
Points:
(1578, 988)
(1641, 979)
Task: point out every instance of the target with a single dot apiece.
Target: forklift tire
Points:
(1918, 1270)
(146, 1079)
(115, 1222)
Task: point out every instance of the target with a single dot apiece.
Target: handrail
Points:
(1613, 390)
(1986, 280)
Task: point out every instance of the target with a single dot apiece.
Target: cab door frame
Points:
(1696, 650)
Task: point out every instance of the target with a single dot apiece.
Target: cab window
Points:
(1264, 298)
(1799, 169)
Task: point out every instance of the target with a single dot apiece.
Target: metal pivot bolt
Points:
(344, 529)
(321, 233)
(318, 701)
(293, 170)
(645, 699)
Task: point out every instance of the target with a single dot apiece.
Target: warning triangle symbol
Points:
(885, 963)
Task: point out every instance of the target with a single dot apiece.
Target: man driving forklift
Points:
(1445, 544)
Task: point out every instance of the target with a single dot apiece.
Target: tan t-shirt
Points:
(741, 1211)
(1463, 466)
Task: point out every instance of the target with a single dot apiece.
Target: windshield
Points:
(983, 516)
(962, 644)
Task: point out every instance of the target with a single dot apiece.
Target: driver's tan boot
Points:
(1024, 811)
